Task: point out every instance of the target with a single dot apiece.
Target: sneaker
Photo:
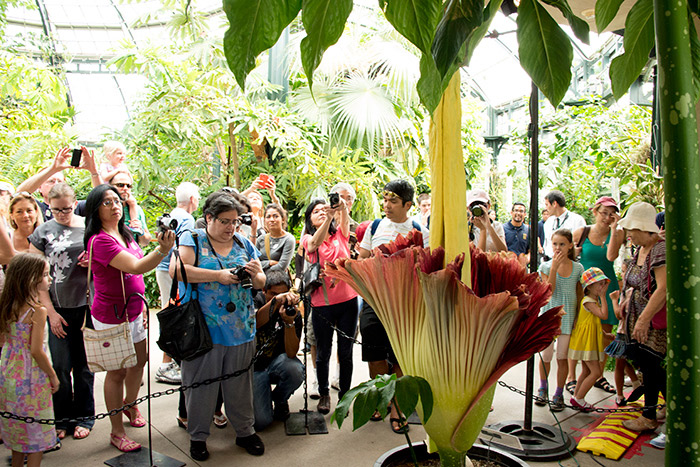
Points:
(659, 442)
(253, 444)
(335, 384)
(628, 382)
(557, 404)
(169, 374)
(313, 390)
(198, 450)
(543, 396)
(583, 407)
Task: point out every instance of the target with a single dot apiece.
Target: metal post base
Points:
(298, 423)
(544, 442)
(143, 457)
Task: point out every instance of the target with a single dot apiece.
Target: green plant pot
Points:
(477, 452)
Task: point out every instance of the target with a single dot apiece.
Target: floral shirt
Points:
(226, 327)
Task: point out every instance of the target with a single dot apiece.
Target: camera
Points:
(334, 199)
(290, 310)
(246, 219)
(243, 276)
(478, 209)
(165, 223)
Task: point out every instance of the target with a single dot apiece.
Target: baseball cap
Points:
(477, 196)
(607, 201)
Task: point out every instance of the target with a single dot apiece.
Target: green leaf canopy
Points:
(638, 41)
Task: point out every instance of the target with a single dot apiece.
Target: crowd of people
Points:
(237, 261)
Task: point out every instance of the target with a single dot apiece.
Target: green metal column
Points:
(679, 148)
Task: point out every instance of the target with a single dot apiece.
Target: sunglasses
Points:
(123, 185)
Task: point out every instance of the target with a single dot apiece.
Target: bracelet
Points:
(288, 325)
(157, 250)
(93, 175)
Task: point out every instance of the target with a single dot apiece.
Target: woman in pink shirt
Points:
(117, 264)
(335, 303)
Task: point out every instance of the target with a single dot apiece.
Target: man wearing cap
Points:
(488, 235)
(516, 231)
(559, 218)
(376, 349)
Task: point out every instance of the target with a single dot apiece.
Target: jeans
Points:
(74, 398)
(288, 374)
(344, 317)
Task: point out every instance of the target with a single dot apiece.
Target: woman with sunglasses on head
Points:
(24, 218)
(117, 264)
(227, 268)
(60, 240)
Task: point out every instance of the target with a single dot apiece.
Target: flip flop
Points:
(81, 432)
(60, 433)
(123, 443)
(220, 421)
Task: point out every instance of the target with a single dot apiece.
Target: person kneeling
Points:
(278, 332)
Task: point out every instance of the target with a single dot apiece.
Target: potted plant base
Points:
(491, 457)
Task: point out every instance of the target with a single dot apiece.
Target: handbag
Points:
(184, 334)
(311, 280)
(659, 319)
(109, 349)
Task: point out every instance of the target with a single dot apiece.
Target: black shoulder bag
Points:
(184, 334)
(311, 279)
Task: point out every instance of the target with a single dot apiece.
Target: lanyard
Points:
(562, 222)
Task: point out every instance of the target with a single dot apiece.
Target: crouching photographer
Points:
(279, 322)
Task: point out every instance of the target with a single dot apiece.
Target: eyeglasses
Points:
(236, 222)
(109, 202)
(123, 185)
(62, 210)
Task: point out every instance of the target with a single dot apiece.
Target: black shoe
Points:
(253, 444)
(198, 450)
(281, 411)
(324, 404)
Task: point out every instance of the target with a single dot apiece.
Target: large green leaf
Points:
(430, 84)
(254, 26)
(459, 19)
(578, 26)
(605, 11)
(324, 22)
(477, 34)
(545, 50)
(414, 19)
(638, 41)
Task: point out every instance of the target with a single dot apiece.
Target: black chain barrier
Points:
(155, 395)
(520, 391)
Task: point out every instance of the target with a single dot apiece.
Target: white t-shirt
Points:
(387, 231)
(568, 220)
(490, 245)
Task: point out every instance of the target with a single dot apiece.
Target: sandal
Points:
(571, 386)
(401, 426)
(603, 384)
(137, 421)
(60, 433)
(220, 421)
(81, 432)
(376, 417)
(123, 443)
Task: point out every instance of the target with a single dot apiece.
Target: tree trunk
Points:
(679, 144)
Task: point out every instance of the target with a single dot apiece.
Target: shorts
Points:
(138, 332)
(562, 349)
(309, 329)
(375, 342)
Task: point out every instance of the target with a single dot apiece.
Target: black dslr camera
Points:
(478, 209)
(290, 310)
(334, 199)
(243, 276)
(246, 219)
(165, 223)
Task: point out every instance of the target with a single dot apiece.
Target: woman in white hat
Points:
(646, 309)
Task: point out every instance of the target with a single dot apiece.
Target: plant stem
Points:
(408, 439)
(450, 458)
(679, 144)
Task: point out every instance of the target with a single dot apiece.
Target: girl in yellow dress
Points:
(587, 337)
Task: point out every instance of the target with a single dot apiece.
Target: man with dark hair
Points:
(559, 218)
(278, 334)
(376, 349)
(517, 232)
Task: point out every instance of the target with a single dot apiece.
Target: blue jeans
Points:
(74, 398)
(344, 317)
(288, 374)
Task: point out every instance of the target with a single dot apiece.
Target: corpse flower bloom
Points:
(460, 338)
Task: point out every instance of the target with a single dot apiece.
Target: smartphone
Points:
(264, 179)
(75, 160)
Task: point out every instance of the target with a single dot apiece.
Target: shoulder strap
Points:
(416, 226)
(267, 246)
(375, 224)
(584, 236)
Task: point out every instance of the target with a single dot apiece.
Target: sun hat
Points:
(640, 216)
(607, 201)
(7, 186)
(591, 276)
(477, 196)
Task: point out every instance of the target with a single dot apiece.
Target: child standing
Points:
(587, 337)
(27, 379)
(564, 275)
(115, 155)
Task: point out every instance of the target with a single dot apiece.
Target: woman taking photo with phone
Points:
(118, 263)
